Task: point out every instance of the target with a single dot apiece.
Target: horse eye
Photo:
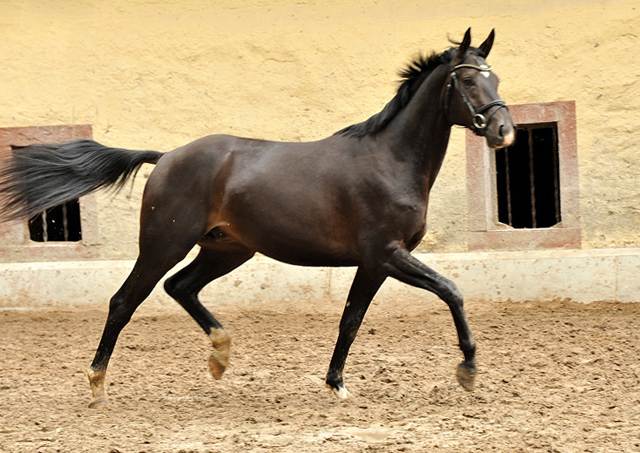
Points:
(468, 81)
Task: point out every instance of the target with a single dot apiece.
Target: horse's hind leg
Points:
(123, 304)
(364, 287)
(184, 287)
(153, 262)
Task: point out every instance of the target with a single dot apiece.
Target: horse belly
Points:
(294, 238)
(305, 254)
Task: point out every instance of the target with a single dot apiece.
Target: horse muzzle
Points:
(501, 131)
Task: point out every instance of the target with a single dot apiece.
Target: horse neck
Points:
(419, 135)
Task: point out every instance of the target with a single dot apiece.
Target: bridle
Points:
(480, 122)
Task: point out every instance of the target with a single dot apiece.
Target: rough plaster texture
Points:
(155, 75)
(570, 275)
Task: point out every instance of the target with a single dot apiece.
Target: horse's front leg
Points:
(364, 287)
(401, 265)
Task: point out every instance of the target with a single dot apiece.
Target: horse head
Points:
(471, 95)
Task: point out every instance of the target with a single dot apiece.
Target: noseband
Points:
(480, 122)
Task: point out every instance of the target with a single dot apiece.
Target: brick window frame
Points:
(485, 231)
(15, 242)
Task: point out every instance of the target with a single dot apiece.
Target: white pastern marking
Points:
(342, 393)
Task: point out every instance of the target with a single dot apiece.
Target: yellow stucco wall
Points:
(155, 75)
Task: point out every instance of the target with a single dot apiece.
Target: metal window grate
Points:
(527, 178)
(58, 224)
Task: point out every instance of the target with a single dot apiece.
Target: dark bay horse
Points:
(357, 198)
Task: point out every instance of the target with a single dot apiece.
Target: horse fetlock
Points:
(219, 358)
(98, 392)
(468, 348)
(335, 383)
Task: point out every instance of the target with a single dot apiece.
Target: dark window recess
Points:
(58, 224)
(527, 178)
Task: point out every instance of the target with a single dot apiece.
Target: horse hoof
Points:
(466, 376)
(217, 368)
(98, 402)
(341, 392)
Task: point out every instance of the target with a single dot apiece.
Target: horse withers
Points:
(356, 198)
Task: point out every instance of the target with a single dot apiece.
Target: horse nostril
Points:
(500, 131)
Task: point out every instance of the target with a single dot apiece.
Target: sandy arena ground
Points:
(554, 377)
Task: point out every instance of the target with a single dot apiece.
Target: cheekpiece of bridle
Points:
(480, 122)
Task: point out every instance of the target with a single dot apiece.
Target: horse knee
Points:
(120, 311)
(450, 293)
(349, 325)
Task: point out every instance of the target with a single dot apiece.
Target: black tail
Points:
(37, 177)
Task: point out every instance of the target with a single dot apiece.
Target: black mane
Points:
(411, 77)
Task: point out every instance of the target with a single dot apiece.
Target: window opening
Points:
(527, 178)
(58, 224)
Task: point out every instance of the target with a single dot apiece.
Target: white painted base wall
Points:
(577, 275)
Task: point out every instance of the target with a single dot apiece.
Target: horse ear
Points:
(463, 48)
(486, 46)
